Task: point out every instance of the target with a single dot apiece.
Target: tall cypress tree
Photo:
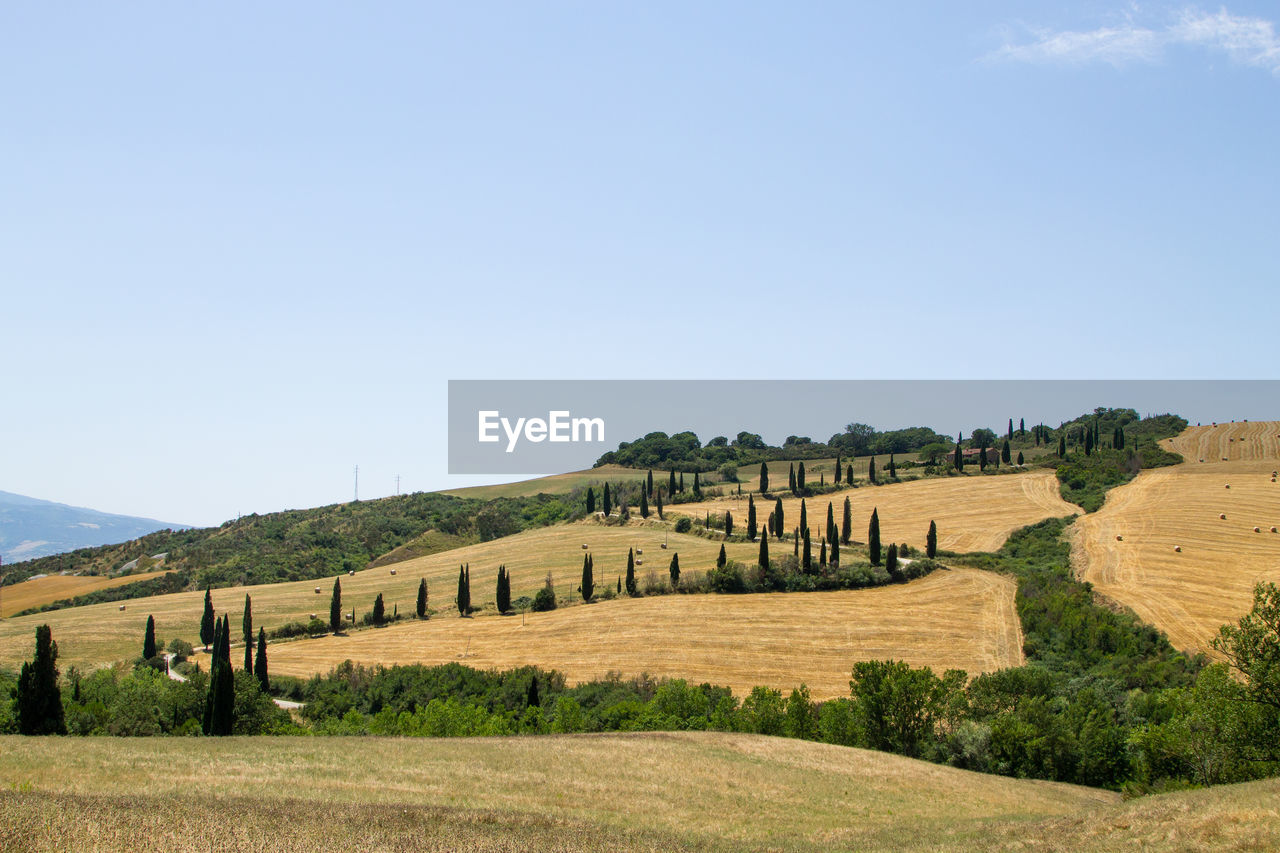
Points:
(644, 504)
(631, 571)
(1062, 446)
(588, 587)
(764, 477)
(149, 639)
(532, 700)
(728, 524)
(846, 523)
(1088, 443)
(751, 519)
(224, 700)
(848, 474)
(608, 503)
(893, 468)
(379, 610)
(504, 589)
(958, 460)
(675, 571)
(891, 562)
(839, 471)
(591, 501)
(822, 554)
(806, 560)
(659, 499)
(1006, 456)
(931, 541)
(207, 627)
(246, 631)
(831, 522)
(335, 607)
(648, 486)
(722, 558)
(795, 543)
(697, 485)
(792, 478)
(804, 516)
(873, 537)
(682, 482)
(763, 559)
(464, 591)
(871, 471)
(778, 524)
(1010, 435)
(800, 477)
(671, 482)
(421, 607)
(39, 701)
(260, 662)
(835, 553)
(1020, 457)
(1022, 426)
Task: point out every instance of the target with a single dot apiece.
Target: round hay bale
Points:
(350, 572)
(639, 551)
(1273, 530)
(122, 607)
(393, 571)
(639, 562)
(1222, 515)
(1119, 538)
(663, 546)
(1178, 548)
(317, 590)
(1228, 485)
(584, 546)
(1257, 530)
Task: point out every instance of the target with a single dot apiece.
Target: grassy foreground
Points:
(673, 791)
(655, 791)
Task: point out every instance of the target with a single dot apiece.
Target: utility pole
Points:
(357, 483)
(397, 485)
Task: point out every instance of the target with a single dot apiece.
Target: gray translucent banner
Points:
(551, 426)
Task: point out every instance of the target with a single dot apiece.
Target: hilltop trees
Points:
(873, 537)
(149, 639)
(39, 701)
(335, 607)
(207, 628)
(588, 586)
(931, 541)
(421, 606)
(464, 590)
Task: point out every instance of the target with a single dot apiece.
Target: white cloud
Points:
(1247, 41)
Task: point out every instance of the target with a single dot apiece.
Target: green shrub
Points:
(684, 524)
(544, 600)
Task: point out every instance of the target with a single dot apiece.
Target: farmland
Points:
(37, 591)
(1127, 550)
(963, 619)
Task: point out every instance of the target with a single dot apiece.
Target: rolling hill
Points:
(31, 528)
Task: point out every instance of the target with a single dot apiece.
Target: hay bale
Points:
(122, 607)
(639, 551)
(584, 546)
(1273, 530)
(317, 590)
(1257, 530)
(393, 571)
(350, 572)
(663, 546)
(639, 562)
(1178, 548)
(1222, 515)
(1119, 538)
(1228, 485)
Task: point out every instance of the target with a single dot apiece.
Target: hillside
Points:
(588, 792)
(1209, 582)
(961, 619)
(31, 528)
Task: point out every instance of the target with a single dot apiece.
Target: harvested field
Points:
(962, 618)
(1189, 593)
(974, 513)
(39, 591)
(101, 633)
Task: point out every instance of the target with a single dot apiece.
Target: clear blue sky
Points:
(243, 248)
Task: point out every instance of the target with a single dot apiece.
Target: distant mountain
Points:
(31, 528)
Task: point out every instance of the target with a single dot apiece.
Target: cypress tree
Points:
(835, 553)
(751, 519)
(39, 701)
(804, 516)
(697, 486)
(246, 630)
(682, 482)
(335, 607)
(464, 591)
(806, 561)
(421, 608)
(675, 571)
(795, 543)
(207, 627)
(659, 498)
(260, 662)
(1022, 426)
(792, 477)
(608, 503)
(822, 554)
(1005, 455)
(379, 610)
(588, 579)
(1019, 457)
(1010, 435)
(219, 717)
(931, 541)
(764, 477)
(846, 523)
(644, 504)
(958, 461)
(649, 484)
(149, 639)
(532, 699)
(728, 524)
(893, 468)
(591, 501)
(839, 471)
(873, 537)
(800, 477)
(763, 559)
(722, 558)
(891, 562)
(1062, 446)
(1088, 443)
(848, 474)
(982, 454)
(778, 524)
(671, 482)
(631, 571)
(831, 521)
(619, 586)
(871, 470)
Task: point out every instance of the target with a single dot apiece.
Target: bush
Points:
(683, 524)
(545, 600)
(289, 629)
(727, 578)
(729, 472)
(316, 627)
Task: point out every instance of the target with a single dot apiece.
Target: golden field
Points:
(1189, 594)
(973, 513)
(46, 590)
(961, 618)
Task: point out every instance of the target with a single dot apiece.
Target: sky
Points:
(244, 248)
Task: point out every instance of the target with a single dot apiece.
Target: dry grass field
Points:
(1189, 594)
(100, 633)
(973, 513)
(51, 588)
(962, 618)
(669, 791)
(553, 484)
